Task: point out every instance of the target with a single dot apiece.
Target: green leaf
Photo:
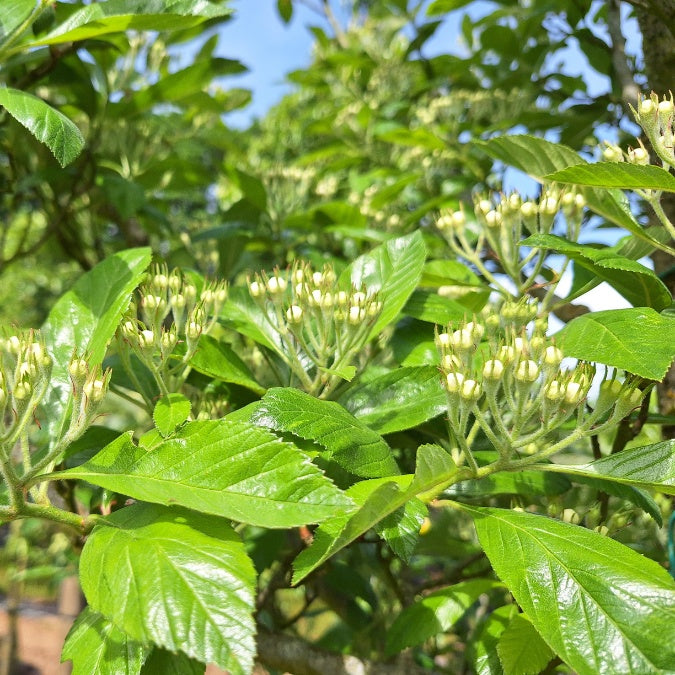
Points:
(399, 400)
(95, 645)
(595, 601)
(616, 175)
(434, 308)
(349, 442)
(521, 649)
(14, 13)
(176, 578)
(393, 270)
(168, 663)
(638, 340)
(231, 469)
(442, 6)
(413, 344)
(401, 529)
(649, 466)
(482, 650)
(637, 283)
(117, 16)
(170, 412)
(48, 125)
(433, 614)
(217, 359)
(285, 9)
(85, 319)
(511, 483)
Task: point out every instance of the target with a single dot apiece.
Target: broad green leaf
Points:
(482, 650)
(435, 613)
(176, 578)
(449, 272)
(637, 283)
(285, 9)
(116, 16)
(95, 645)
(229, 469)
(48, 125)
(601, 606)
(511, 483)
(638, 340)
(434, 308)
(539, 158)
(401, 529)
(649, 466)
(14, 13)
(616, 175)
(401, 399)
(521, 649)
(170, 412)
(413, 344)
(168, 663)
(349, 441)
(393, 270)
(85, 319)
(416, 138)
(217, 359)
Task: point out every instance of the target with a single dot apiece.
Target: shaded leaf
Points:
(168, 663)
(401, 529)
(514, 483)
(482, 650)
(170, 412)
(521, 649)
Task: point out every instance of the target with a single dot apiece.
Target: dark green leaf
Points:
(616, 175)
(349, 441)
(434, 308)
(401, 529)
(47, 124)
(176, 578)
(513, 483)
(168, 663)
(95, 645)
(638, 340)
(521, 649)
(170, 412)
(230, 469)
(285, 9)
(594, 600)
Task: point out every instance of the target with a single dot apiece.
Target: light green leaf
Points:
(442, 6)
(170, 412)
(168, 663)
(482, 650)
(393, 270)
(435, 613)
(399, 400)
(47, 124)
(14, 13)
(176, 578)
(217, 359)
(116, 16)
(349, 441)
(230, 469)
(616, 175)
(521, 649)
(638, 340)
(649, 466)
(434, 308)
(85, 319)
(601, 606)
(637, 283)
(95, 645)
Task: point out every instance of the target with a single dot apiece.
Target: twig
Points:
(629, 90)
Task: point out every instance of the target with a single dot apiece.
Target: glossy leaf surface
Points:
(616, 175)
(176, 578)
(170, 412)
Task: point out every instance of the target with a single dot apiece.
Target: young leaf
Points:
(230, 469)
(170, 412)
(217, 359)
(521, 649)
(435, 613)
(637, 283)
(616, 175)
(401, 529)
(95, 645)
(47, 124)
(148, 560)
(393, 270)
(638, 340)
(399, 400)
(594, 600)
(349, 442)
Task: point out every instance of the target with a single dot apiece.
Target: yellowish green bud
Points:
(78, 369)
(294, 314)
(528, 210)
(454, 382)
(570, 516)
(553, 356)
(493, 369)
(554, 390)
(94, 390)
(493, 218)
(22, 391)
(146, 339)
(612, 153)
(193, 330)
(450, 362)
(638, 156)
(470, 391)
(527, 371)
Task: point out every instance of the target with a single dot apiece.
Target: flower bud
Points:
(506, 354)
(462, 340)
(358, 298)
(168, 342)
(450, 362)
(454, 382)
(570, 516)
(94, 390)
(574, 393)
(527, 371)
(476, 329)
(470, 390)
(484, 206)
(552, 356)
(627, 402)
(554, 390)
(646, 106)
(443, 339)
(612, 153)
(493, 218)
(294, 314)
(78, 369)
(22, 391)
(146, 339)
(193, 330)
(607, 395)
(638, 156)
(528, 210)
(493, 369)
(255, 289)
(356, 315)
(276, 285)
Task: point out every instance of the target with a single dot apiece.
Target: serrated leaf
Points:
(176, 578)
(637, 283)
(349, 442)
(638, 340)
(393, 270)
(168, 663)
(401, 529)
(95, 645)
(217, 359)
(601, 606)
(401, 399)
(231, 469)
(85, 319)
(170, 412)
(433, 614)
(48, 125)
(616, 175)
(521, 649)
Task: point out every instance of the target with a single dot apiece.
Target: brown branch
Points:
(629, 90)
(290, 654)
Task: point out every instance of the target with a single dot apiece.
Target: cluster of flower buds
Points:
(322, 326)
(514, 385)
(613, 153)
(656, 118)
(170, 310)
(89, 388)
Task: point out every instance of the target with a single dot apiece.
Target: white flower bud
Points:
(160, 281)
(646, 107)
(443, 339)
(462, 339)
(22, 391)
(78, 369)
(527, 371)
(317, 278)
(276, 285)
(193, 330)
(146, 339)
(470, 391)
(13, 344)
(528, 210)
(294, 314)
(552, 356)
(570, 516)
(549, 206)
(94, 390)
(554, 390)
(358, 298)
(178, 301)
(168, 341)
(450, 362)
(356, 315)
(493, 218)
(666, 107)
(454, 382)
(207, 296)
(520, 345)
(612, 153)
(506, 354)
(476, 329)
(638, 156)
(493, 369)
(484, 206)
(342, 298)
(255, 289)
(574, 393)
